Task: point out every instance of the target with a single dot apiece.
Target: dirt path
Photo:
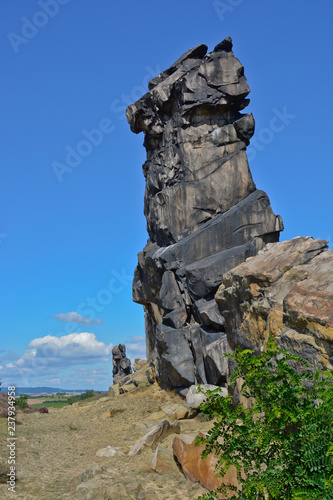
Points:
(53, 449)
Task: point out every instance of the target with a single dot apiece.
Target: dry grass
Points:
(36, 401)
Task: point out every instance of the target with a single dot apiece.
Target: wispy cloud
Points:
(53, 381)
(136, 347)
(9, 356)
(74, 317)
(90, 376)
(137, 338)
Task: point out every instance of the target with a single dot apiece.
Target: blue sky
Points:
(72, 223)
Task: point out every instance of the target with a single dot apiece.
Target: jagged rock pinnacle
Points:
(204, 213)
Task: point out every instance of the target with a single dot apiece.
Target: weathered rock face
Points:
(285, 291)
(121, 364)
(188, 456)
(204, 213)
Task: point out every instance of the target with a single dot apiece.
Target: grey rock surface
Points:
(196, 394)
(121, 364)
(204, 213)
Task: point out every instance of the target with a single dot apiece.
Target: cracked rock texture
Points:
(121, 364)
(285, 291)
(204, 213)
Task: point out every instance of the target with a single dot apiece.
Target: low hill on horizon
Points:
(43, 390)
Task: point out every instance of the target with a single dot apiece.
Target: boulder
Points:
(171, 412)
(129, 387)
(175, 411)
(140, 378)
(113, 390)
(193, 425)
(157, 434)
(138, 364)
(194, 468)
(194, 396)
(163, 460)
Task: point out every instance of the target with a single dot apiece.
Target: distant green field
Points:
(58, 401)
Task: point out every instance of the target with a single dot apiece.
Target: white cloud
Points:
(74, 317)
(47, 355)
(136, 348)
(75, 348)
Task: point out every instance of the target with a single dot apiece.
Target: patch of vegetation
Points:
(4, 470)
(60, 403)
(60, 400)
(80, 397)
(73, 427)
(281, 446)
(22, 401)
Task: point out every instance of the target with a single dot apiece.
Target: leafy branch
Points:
(279, 443)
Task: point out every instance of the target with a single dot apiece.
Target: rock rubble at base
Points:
(157, 434)
(142, 376)
(153, 450)
(204, 213)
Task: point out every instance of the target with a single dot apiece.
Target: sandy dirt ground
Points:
(53, 449)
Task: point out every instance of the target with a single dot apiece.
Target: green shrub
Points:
(22, 401)
(281, 443)
(80, 397)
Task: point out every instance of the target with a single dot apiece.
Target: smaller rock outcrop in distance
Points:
(121, 364)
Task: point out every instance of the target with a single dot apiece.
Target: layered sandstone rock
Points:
(285, 291)
(188, 456)
(204, 213)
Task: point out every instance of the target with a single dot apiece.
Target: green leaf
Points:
(284, 441)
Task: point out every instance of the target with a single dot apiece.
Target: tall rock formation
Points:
(204, 213)
(121, 364)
